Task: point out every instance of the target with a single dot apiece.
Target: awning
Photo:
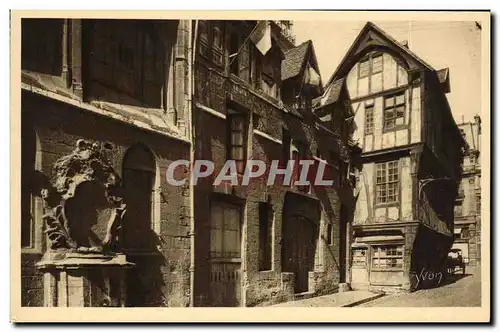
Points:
(380, 238)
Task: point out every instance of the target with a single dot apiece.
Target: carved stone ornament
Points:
(85, 206)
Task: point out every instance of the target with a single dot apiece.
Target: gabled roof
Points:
(331, 94)
(369, 36)
(296, 59)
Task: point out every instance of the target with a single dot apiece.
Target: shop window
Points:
(359, 257)
(387, 182)
(387, 257)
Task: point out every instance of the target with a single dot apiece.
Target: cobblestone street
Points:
(458, 291)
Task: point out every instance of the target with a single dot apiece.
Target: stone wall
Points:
(161, 278)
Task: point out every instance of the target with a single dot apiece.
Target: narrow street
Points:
(458, 291)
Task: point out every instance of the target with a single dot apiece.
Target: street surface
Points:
(458, 291)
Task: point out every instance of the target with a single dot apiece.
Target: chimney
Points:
(477, 119)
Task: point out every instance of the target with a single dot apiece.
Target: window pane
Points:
(369, 120)
(237, 153)
(400, 99)
(389, 114)
(377, 64)
(237, 123)
(389, 102)
(389, 124)
(387, 257)
(364, 68)
(237, 138)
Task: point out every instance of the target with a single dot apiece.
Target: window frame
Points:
(231, 117)
(369, 62)
(356, 263)
(385, 184)
(362, 62)
(372, 61)
(394, 109)
(398, 254)
(208, 49)
(369, 130)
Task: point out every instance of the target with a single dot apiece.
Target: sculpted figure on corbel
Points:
(84, 205)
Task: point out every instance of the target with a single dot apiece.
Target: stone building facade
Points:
(412, 149)
(467, 231)
(109, 105)
(104, 102)
(261, 244)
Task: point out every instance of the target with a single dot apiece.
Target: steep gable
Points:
(371, 38)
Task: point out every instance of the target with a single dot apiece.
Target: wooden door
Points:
(225, 255)
(299, 247)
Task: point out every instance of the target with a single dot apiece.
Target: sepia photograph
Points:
(330, 161)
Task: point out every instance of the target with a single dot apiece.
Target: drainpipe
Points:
(191, 134)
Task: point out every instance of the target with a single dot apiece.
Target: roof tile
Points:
(294, 58)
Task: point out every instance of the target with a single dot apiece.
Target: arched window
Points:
(139, 174)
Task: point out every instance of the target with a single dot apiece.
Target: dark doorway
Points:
(299, 247)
